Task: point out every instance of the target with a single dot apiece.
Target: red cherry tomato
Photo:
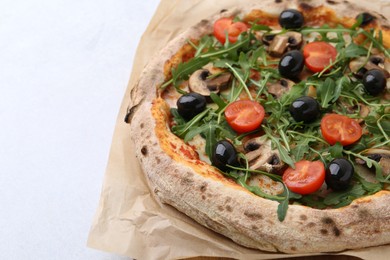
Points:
(318, 55)
(233, 29)
(306, 178)
(244, 115)
(339, 128)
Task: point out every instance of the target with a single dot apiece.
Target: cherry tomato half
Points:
(318, 55)
(233, 29)
(244, 115)
(339, 128)
(306, 178)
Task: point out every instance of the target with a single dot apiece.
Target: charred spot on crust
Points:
(327, 221)
(141, 125)
(129, 114)
(229, 208)
(223, 10)
(306, 7)
(158, 161)
(144, 150)
(203, 187)
(303, 217)
(203, 197)
(293, 248)
(336, 231)
(324, 232)
(355, 206)
(311, 224)
(278, 1)
(253, 215)
(220, 208)
(187, 179)
(228, 199)
(203, 22)
(254, 227)
(363, 213)
(331, 2)
(366, 18)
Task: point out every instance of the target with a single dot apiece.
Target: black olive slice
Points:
(291, 19)
(191, 104)
(224, 154)
(374, 82)
(305, 109)
(339, 174)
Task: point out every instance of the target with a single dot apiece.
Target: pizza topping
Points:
(244, 115)
(203, 82)
(381, 156)
(282, 42)
(339, 174)
(224, 155)
(280, 87)
(374, 81)
(261, 156)
(226, 26)
(342, 110)
(189, 105)
(291, 64)
(305, 109)
(361, 65)
(307, 177)
(266, 183)
(319, 55)
(291, 19)
(339, 128)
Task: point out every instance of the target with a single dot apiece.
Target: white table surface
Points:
(64, 68)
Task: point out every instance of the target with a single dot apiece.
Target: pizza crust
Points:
(201, 192)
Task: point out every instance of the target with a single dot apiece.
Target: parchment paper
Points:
(128, 220)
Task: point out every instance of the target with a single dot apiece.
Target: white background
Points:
(64, 68)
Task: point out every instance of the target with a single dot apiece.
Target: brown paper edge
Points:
(122, 223)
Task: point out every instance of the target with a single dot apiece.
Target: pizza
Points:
(270, 125)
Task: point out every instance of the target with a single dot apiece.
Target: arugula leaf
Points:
(336, 151)
(284, 156)
(210, 140)
(205, 43)
(327, 92)
(353, 51)
(300, 150)
(283, 205)
(182, 129)
(222, 63)
(184, 70)
(370, 187)
(219, 101)
(342, 198)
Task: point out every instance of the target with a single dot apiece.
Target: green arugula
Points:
(336, 91)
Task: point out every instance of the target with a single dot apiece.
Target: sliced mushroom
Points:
(259, 153)
(266, 184)
(267, 38)
(280, 87)
(280, 43)
(200, 83)
(359, 66)
(380, 155)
